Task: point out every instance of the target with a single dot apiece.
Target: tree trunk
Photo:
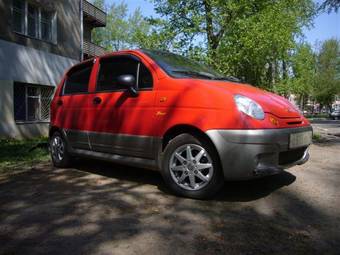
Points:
(213, 39)
(284, 70)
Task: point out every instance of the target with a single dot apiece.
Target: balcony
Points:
(93, 15)
(92, 50)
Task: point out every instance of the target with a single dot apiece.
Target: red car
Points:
(162, 111)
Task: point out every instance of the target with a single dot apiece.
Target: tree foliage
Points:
(246, 38)
(301, 82)
(327, 83)
(122, 30)
(330, 5)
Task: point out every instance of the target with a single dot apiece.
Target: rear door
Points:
(73, 105)
(122, 124)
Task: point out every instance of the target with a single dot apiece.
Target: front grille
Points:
(294, 122)
(288, 157)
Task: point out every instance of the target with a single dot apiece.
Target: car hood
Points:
(270, 102)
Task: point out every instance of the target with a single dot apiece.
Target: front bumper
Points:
(246, 154)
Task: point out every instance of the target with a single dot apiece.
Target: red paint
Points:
(203, 104)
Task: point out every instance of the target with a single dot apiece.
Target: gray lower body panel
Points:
(246, 154)
(77, 139)
(116, 158)
(122, 144)
(134, 150)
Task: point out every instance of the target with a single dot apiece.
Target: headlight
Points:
(249, 107)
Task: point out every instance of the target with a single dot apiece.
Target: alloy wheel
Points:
(191, 167)
(57, 148)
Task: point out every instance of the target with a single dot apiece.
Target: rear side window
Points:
(77, 80)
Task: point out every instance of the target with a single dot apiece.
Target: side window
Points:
(145, 77)
(77, 80)
(111, 68)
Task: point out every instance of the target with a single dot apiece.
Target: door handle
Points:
(60, 102)
(97, 100)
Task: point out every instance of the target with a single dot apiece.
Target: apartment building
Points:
(39, 41)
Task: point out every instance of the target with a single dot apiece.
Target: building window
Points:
(34, 21)
(31, 102)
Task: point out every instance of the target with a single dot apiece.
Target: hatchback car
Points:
(335, 114)
(162, 111)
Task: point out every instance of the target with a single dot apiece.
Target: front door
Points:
(122, 123)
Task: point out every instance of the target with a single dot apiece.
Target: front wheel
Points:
(59, 154)
(191, 167)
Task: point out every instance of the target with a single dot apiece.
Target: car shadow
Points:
(233, 191)
(249, 190)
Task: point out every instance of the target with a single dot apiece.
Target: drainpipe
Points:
(81, 31)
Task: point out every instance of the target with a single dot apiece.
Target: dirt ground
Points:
(101, 208)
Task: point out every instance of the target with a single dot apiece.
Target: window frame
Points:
(133, 57)
(54, 29)
(89, 62)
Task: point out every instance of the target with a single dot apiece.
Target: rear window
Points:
(77, 80)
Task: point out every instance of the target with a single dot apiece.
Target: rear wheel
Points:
(191, 167)
(59, 154)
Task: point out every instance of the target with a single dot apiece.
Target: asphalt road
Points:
(327, 127)
(101, 208)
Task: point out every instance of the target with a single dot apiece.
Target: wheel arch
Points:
(52, 130)
(189, 129)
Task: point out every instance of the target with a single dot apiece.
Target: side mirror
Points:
(128, 81)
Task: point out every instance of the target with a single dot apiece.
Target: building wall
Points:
(24, 64)
(68, 27)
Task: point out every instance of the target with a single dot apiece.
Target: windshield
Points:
(180, 67)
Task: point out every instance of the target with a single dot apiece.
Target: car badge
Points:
(273, 121)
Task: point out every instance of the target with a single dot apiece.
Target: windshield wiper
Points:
(193, 73)
(228, 78)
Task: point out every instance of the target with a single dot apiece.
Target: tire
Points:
(58, 148)
(190, 178)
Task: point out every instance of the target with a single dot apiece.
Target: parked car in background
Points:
(335, 114)
(163, 111)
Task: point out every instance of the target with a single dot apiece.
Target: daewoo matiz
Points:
(162, 111)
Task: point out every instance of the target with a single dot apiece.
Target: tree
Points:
(303, 63)
(98, 34)
(328, 71)
(123, 31)
(246, 38)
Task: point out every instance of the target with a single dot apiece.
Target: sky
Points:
(326, 25)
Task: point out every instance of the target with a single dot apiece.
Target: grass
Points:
(316, 137)
(16, 155)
